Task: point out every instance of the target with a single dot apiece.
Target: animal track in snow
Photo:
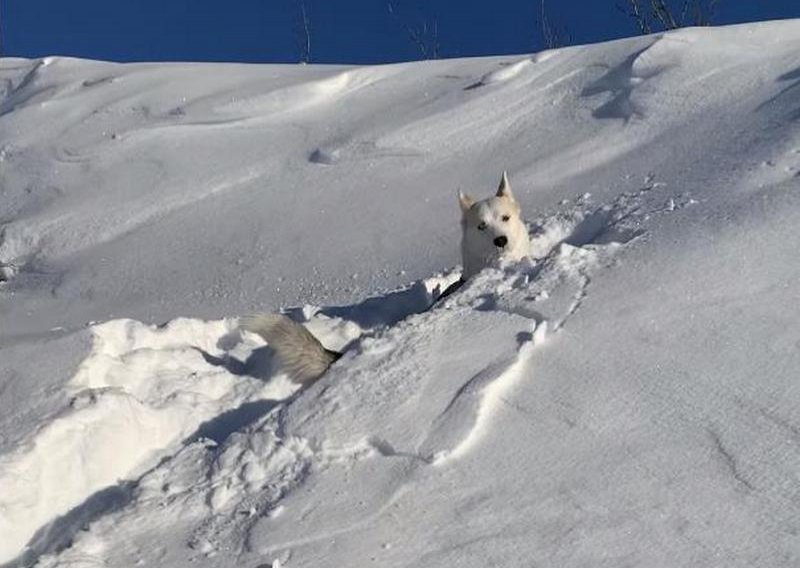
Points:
(616, 223)
(569, 246)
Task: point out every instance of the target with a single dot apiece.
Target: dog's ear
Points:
(465, 201)
(504, 190)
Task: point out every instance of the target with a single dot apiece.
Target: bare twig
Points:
(684, 12)
(551, 38)
(664, 14)
(425, 38)
(435, 40)
(706, 17)
(638, 16)
(660, 14)
(548, 37)
(303, 33)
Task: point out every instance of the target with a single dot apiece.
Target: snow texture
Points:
(627, 396)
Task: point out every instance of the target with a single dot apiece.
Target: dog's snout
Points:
(501, 241)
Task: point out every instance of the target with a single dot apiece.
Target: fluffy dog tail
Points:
(301, 354)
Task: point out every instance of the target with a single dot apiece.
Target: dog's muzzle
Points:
(500, 242)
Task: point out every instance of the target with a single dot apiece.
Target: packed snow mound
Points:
(402, 395)
(141, 391)
(628, 395)
(146, 392)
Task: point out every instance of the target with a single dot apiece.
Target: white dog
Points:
(492, 229)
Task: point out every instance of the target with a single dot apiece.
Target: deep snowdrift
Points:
(627, 397)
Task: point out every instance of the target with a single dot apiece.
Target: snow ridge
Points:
(466, 417)
(242, 467)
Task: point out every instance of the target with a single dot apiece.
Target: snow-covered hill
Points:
(629, 397)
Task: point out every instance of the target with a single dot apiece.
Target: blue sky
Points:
(342, 31)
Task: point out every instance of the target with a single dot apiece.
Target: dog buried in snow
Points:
(491, 229)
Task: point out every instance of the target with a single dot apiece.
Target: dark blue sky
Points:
(342, 31)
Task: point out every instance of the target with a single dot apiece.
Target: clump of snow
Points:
(625, 396)
(141, 391)
(7, 272)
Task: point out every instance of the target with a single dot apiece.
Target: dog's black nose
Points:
(501, 242)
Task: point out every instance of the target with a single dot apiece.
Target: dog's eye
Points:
(481, 226)
(506, 218)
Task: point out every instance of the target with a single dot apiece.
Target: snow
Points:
(626, 397)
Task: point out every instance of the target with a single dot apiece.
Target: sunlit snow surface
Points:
(628, 397)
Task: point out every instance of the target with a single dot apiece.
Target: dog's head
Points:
(492, 229)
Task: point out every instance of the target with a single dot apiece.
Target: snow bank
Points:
(141, 391)
(626, 396)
